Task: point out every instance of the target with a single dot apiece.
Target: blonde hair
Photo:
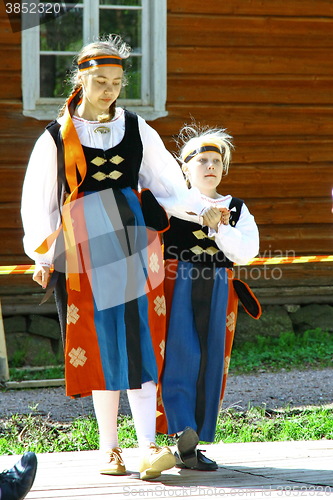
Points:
(192, 137)
(112, 45)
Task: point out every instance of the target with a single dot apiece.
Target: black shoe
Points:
(203, 463)
(187, 447)
(16, 483)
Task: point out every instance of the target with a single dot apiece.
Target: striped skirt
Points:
(202, 310)
(116, 321)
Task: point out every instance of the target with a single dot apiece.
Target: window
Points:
(51, 43)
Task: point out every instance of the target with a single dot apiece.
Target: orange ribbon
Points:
(74, 160)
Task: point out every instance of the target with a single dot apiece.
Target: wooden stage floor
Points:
(249, 470)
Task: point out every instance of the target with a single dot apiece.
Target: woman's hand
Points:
(41, 275)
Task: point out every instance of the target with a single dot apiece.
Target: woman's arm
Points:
(39, 208)
(161, 174)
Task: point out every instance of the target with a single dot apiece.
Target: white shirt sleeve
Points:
(39, 208)
(161, 174)
(240, 243)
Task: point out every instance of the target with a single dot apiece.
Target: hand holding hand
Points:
(211, 217)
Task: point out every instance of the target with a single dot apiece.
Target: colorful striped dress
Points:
(115, 314)
(202, 301)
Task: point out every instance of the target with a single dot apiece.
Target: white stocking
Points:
(106, 405)
(143, 406)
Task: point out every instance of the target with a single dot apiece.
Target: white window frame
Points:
(154, 56)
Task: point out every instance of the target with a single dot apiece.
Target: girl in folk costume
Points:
(202, 297)
(84, 213)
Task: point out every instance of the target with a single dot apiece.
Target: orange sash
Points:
(74, 162)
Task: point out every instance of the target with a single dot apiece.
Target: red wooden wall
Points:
(260, 68)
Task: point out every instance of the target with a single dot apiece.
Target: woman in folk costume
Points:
(202, 297)
(83, 213)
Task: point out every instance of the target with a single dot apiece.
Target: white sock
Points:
(106, 405)
(143, 406)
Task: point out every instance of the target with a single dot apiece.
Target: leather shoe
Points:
(114, 464)
(187, 447)
(156, 460)
(203, 463)
(16, 482)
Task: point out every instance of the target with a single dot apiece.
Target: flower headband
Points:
(202, 149)
(91, 62)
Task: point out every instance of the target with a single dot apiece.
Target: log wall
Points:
(260, 68)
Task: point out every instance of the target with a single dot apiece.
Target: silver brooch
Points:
(102, 130)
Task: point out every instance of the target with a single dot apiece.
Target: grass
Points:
(312, 349)
(52, 372)
(19, 433)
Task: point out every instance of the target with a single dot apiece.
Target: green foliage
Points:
(42, 374)
(314, 348)
(35, 433)
(258, 424)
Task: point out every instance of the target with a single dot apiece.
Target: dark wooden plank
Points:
(11, 180)
(254, 7)
(21, 283)
(11, 243)
(6, 32)
(15, 124)
(274, 276)
(307, 239)
(248, 31)
(260, 120)
(272, 211)
(274, 88)
(10, 85)
(249, 61)
(10, 216)
(278, 180)
(11, 58)
(16, 149)
(250, 150)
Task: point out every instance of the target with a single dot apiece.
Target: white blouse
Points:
(240, 243)
(159, 172)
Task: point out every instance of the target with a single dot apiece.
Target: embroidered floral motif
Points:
(162, 347)
(226, 364)
(72, 314)
(160, 306)
(231, 322)
(153, 263)
(78, 357)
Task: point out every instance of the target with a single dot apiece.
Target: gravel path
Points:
(275, 390)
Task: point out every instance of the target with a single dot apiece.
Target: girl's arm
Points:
(39, 208)
(240, 243)
(161, 174)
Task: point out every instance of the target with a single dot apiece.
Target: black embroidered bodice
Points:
(189, 242)
(115, 168)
